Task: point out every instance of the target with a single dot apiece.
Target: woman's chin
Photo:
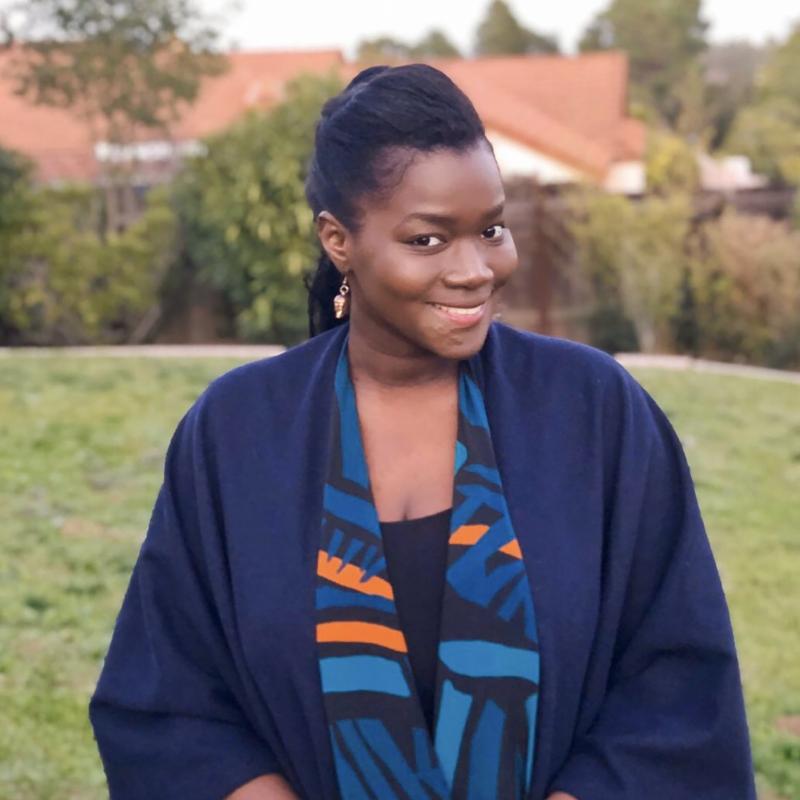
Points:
(461, 344)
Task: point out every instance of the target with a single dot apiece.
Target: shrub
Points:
(72, 287)
(746, 280)
(16, 216)
(246, 221)
(632, 254)
(670, 164)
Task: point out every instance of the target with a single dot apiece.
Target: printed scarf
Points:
(487, 679)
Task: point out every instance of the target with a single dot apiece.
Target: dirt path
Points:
(243, 351)
(253, 352)
(701, 365)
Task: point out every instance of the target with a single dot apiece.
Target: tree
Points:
(730, 71)
(386, 49)
(17, 205)
(248, 228)
(661, 37)
(16, 196)
(768, 129)
(381, 50)
(435, 44)
(501, 34)
(670, 164)
(69, 286)
(633, 255)
(745, 273)
(121, 66)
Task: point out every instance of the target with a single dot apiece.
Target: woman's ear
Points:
(335, 239)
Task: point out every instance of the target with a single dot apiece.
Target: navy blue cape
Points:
(211, 677)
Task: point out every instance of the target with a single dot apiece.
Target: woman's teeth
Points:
(466, 312)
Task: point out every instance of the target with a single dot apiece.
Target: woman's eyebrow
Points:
(445, 219)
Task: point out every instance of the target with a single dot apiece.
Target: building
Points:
(558, 119)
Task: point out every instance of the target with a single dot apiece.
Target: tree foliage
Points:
(768, 130)
(248, 227)
(16, 217)
(746, 280)
(500, 33)
(632, 253)
(383, 49)
(670, 164)
(120, 65)
(661, 37)
(729, 71)
(123, 67)
(435, 44)
(71, 286)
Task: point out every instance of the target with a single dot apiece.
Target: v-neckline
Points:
(486, 687)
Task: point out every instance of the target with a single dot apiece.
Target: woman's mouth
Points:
(460, 315)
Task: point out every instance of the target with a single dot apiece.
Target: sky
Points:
(340, 24)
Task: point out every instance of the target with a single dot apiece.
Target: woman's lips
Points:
(463, 317)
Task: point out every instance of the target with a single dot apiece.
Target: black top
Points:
(416, 558)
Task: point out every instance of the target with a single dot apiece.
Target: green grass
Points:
(82, 448)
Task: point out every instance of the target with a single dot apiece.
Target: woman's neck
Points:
(382, 366)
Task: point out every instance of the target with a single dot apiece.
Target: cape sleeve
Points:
(165, 712)
(670, 719)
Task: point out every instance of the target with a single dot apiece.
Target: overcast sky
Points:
(293, 24)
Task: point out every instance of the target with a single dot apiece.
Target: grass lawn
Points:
(82, 443)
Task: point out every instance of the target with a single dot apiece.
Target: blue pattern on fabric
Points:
(461, 456)
(366, 766)
(349, 508)
(384, 746)
(487, 678)
(453, 713)
(531, 707)
(362, 674)
(490, 660)
(331, 597)
(484, 754)
(349, 782)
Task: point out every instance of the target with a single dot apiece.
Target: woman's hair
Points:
(365, 139)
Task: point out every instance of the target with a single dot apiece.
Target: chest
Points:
(410, 448)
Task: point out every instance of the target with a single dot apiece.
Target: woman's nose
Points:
(468, 268)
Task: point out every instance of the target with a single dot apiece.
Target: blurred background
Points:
(152, 217)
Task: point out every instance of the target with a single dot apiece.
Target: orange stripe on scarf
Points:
(367, 632)
(351, 576)
(469, 534)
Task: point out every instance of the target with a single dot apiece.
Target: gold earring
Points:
(340, 302)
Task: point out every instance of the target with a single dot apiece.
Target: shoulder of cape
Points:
(516, 359)
(577, 381)
(526, 358)
(290, 373)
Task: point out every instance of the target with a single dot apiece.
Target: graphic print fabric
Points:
(487, 678)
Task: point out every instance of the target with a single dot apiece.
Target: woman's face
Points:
(427, 261)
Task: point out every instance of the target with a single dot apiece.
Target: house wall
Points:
(516, 160)
(626, 177)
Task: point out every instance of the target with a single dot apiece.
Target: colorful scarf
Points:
(487, 680)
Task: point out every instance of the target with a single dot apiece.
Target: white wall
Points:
(516, 159)
(626, 177)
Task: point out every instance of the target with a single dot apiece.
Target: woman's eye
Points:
(427, 241)
(495, 231)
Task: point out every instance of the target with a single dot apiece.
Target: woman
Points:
(422, 555)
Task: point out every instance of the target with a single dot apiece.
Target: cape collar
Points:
(487, 685)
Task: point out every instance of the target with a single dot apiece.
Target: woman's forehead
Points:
(458, 184)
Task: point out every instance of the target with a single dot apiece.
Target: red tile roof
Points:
(569, 108)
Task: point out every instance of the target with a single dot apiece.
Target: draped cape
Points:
(212, 676)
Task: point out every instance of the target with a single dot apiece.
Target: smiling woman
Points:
(426, 263)
(422, 555)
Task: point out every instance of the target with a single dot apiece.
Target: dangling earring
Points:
(340, 302)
